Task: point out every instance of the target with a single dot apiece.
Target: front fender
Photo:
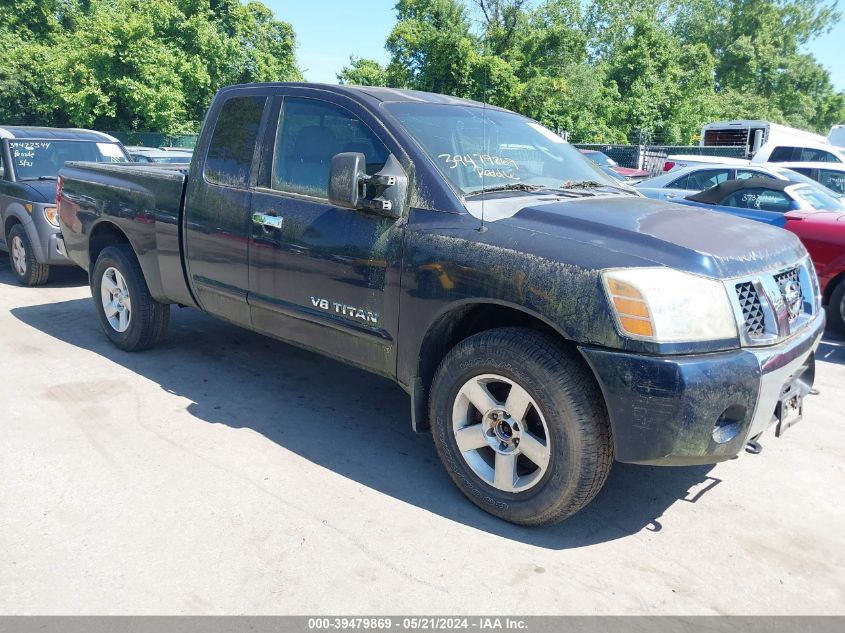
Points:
(17, 214)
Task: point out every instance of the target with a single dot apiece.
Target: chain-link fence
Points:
(651, 158)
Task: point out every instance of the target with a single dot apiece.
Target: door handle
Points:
(267, 221)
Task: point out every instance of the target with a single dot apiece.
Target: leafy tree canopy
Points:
(134, 64)
(607, 70)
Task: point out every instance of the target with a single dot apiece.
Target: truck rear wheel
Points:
(129, 316)
(520, 424)
(22, 258)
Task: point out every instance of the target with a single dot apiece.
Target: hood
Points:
(650, 232)
(42, 191)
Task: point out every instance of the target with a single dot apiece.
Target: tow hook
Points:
(753, 446)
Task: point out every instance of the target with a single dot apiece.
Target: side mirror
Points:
(345, 179)
(348, 181)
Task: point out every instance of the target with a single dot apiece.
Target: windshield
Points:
(34, 160)
(816, 200)
(478, 149)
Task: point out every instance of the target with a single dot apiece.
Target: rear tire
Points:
(836, 307)
(535, 440)
(129, 315)
(22, 259)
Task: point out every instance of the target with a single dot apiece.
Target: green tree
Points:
(135, 64)
(363, 72)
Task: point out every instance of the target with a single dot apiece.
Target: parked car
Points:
(603, 160)
(140, 154)
(675, 162)
(831, 175)
(30, 159)
(817, 219)
(794, 153)
(543, 319)
(682, 182)
(836, 137)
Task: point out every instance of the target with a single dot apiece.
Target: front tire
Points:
(22, 259)
(128, 314)
(836, 307)
(519, 423)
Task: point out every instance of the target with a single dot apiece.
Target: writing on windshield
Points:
(37, 159)
(23, 153)
(484, 165)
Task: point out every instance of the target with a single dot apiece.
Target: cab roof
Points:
(53, 133)
(374, 93)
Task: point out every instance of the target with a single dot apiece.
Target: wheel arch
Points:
(104, 234)
(831, 286)
(457, 322)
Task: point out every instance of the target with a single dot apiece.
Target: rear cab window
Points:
(232, 146)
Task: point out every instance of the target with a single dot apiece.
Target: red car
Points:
(604, 161)
(823, 234)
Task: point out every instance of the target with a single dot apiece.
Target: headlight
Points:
(668, 306)
(52, 216)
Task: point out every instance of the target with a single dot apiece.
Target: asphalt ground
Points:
(227, 473)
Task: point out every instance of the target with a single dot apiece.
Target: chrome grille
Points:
(786, 278)
(752, 309)
(771, 307)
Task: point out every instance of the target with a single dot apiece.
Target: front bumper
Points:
(56, 255)
(663, 409)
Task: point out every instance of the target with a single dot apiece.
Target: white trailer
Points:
(753, 134)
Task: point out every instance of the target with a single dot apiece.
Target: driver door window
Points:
(309, 134)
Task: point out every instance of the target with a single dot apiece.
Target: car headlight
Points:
(52, 216)
(669, 306)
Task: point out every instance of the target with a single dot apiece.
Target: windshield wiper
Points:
(41, 178)
(515, 186)
(586, 185)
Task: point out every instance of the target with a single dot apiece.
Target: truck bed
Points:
(145, 202)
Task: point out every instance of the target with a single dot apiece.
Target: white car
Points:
(679, 161)
(798, 153)
(687, 180)
(140, 154)
(831, 175)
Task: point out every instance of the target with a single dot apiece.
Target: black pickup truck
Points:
(544, 319)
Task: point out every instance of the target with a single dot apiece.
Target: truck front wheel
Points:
(520, 424)
(129, 315)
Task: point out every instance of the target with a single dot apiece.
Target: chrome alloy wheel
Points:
(114, 293)
(501, 433)
(18, 256)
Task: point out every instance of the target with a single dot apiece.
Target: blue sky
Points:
(329, 31)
